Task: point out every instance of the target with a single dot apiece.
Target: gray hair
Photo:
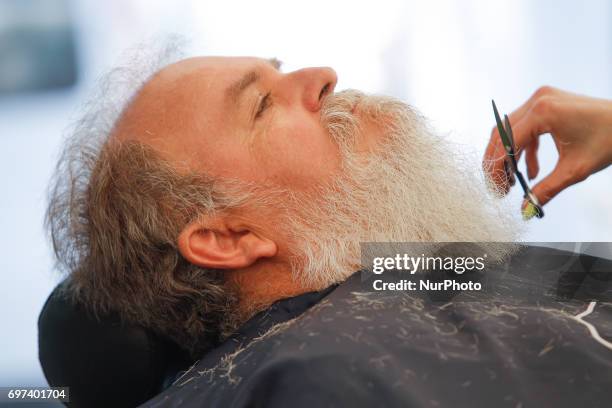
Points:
(115, 211)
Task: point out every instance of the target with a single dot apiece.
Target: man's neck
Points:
(258, 286)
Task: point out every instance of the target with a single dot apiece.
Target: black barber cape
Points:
(528, 343)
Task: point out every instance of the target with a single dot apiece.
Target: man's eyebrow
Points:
(275, 62)
(234, 91)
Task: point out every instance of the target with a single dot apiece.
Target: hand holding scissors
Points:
(581, 128)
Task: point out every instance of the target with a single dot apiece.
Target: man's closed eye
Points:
(264, 103)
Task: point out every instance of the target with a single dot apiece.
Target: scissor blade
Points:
(510, 134)
(502, 132)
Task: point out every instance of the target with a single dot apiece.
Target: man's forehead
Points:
(211, 67)
(182, 99)
(211, 78)
(191, 82)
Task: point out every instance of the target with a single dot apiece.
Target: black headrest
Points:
(104, 362)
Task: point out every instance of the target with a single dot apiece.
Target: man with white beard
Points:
(224, 198)
(262, 181)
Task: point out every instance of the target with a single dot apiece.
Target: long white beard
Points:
(415, 187)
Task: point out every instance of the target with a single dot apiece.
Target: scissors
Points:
(533, 207)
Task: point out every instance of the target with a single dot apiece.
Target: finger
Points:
(516, 116)
(495, 154)
(495, 163)
(526, 131)
(557, 181)
(531, 158)
(498, 171)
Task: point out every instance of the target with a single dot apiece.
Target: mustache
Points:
(344, 113)
(339, 118)
(343, 101)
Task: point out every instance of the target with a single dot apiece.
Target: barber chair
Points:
(104, 363)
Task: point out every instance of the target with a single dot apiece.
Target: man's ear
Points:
(217, 245)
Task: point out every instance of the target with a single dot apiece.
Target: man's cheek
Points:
(306, 152)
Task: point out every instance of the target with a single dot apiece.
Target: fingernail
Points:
(528, 210)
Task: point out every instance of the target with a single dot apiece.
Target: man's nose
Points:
(315, 84)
